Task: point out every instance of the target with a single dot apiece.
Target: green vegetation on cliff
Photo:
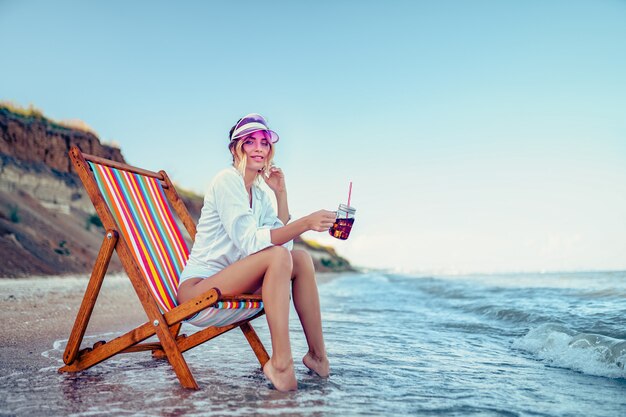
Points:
(32, 113)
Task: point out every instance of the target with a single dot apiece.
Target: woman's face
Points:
(256, 146)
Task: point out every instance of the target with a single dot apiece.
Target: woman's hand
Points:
(275, 179)
(321, 220)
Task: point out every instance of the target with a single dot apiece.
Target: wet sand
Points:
(36, 312)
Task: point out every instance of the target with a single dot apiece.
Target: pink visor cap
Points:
(251, 123)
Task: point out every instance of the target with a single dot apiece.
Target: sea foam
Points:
(589, 353)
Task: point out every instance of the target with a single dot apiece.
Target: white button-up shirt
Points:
(229, 229)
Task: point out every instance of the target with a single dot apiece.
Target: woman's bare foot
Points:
(320, 366)
(283, 379)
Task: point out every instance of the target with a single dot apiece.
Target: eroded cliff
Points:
(48, 225)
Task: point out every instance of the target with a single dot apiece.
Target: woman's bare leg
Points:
(270, 269)
(307, 303)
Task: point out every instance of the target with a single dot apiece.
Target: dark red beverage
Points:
(341, 228)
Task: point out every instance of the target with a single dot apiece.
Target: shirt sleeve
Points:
(271, 220)
(233, 208)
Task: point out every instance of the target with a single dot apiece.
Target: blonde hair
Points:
(239, 157)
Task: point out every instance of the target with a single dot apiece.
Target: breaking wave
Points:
(589, 353)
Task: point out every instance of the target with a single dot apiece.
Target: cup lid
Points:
(347, 208)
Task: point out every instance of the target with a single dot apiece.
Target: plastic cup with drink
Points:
(344, 221)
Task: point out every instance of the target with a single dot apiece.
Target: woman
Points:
(244, 246)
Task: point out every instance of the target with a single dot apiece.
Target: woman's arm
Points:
(275, 179)
(232, 205)
(319, 221)
(282, 206)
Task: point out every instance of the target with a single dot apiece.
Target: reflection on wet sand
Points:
(230, 382)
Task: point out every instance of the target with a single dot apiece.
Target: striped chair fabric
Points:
(146, 223)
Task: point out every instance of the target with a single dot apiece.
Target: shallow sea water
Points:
(507, 345)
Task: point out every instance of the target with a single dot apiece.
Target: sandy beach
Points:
(41, 310)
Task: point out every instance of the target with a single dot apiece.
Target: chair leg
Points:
(174, 355)
(91, 294)
(255, 343)
(174, 330)
(168, 342)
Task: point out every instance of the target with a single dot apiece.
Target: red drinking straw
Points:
(349, 193)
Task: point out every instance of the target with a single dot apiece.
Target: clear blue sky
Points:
(480, 135)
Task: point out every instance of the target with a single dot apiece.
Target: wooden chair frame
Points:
(166, 326)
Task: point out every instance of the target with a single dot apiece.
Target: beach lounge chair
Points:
(132, 204)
